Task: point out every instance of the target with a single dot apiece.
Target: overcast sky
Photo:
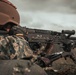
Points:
(47, 14)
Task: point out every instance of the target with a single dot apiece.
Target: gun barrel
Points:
(71, 32)
(72, 38)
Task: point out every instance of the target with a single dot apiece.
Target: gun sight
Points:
(70, 32)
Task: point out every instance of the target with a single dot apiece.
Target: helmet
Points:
(8, 13)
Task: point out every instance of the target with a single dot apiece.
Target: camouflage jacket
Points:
(14, 47)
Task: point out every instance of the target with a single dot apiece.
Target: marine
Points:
(14, 49)
(12, 46)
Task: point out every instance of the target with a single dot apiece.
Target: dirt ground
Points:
(64, 66)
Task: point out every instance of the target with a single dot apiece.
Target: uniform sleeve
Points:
(20, 47)
(25, 49)
(14, 47)
(7, 47)
(28, 51)
(4, 53)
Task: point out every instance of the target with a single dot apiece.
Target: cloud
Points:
(46, 5)
(45, 20)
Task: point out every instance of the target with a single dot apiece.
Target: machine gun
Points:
(38, 38)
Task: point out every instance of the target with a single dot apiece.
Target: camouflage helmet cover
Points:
(8, 13)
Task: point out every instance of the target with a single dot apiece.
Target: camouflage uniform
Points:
(14, 47)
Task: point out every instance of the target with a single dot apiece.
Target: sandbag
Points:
(20, 67)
